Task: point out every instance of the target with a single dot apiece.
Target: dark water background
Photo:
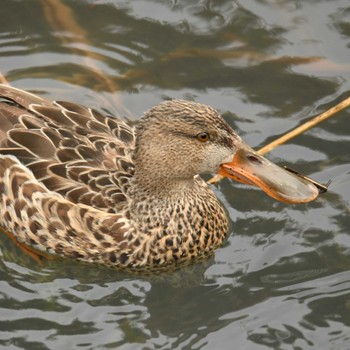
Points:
(282, 281)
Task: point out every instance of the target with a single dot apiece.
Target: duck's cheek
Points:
(216, 156)
(228, 158)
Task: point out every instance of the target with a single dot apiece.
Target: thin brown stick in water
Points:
(3, 80)
(304, 127)
(295, 132)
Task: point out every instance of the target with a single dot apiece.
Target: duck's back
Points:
(77, 152)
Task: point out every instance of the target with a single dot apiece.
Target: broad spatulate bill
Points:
(247, 166)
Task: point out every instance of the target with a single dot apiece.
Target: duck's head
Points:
(176, 140)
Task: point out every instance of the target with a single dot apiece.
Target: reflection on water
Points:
(282, 279)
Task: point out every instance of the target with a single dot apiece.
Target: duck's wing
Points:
(75, 151)
(50, 223)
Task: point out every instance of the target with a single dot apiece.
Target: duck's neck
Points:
(161, 199)
(162, 187)
(182, 221)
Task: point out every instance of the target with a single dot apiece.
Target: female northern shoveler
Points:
(79, 184)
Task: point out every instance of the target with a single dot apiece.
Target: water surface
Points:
(282, 280)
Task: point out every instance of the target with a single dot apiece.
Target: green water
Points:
(282, 280)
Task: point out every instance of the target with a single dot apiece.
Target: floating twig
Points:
(3, 80)
(304, 127)
(295, 132)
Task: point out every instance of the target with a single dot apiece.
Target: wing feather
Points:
(75, 151)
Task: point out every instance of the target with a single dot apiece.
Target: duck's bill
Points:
(251, 168)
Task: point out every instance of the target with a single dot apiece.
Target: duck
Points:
(78, 184)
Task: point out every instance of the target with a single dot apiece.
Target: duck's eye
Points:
(203, 136)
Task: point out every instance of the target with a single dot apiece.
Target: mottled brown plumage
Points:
(79, 184)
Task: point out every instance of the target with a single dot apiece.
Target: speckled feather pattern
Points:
(82, 185)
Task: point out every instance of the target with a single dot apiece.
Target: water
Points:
(282, 280)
